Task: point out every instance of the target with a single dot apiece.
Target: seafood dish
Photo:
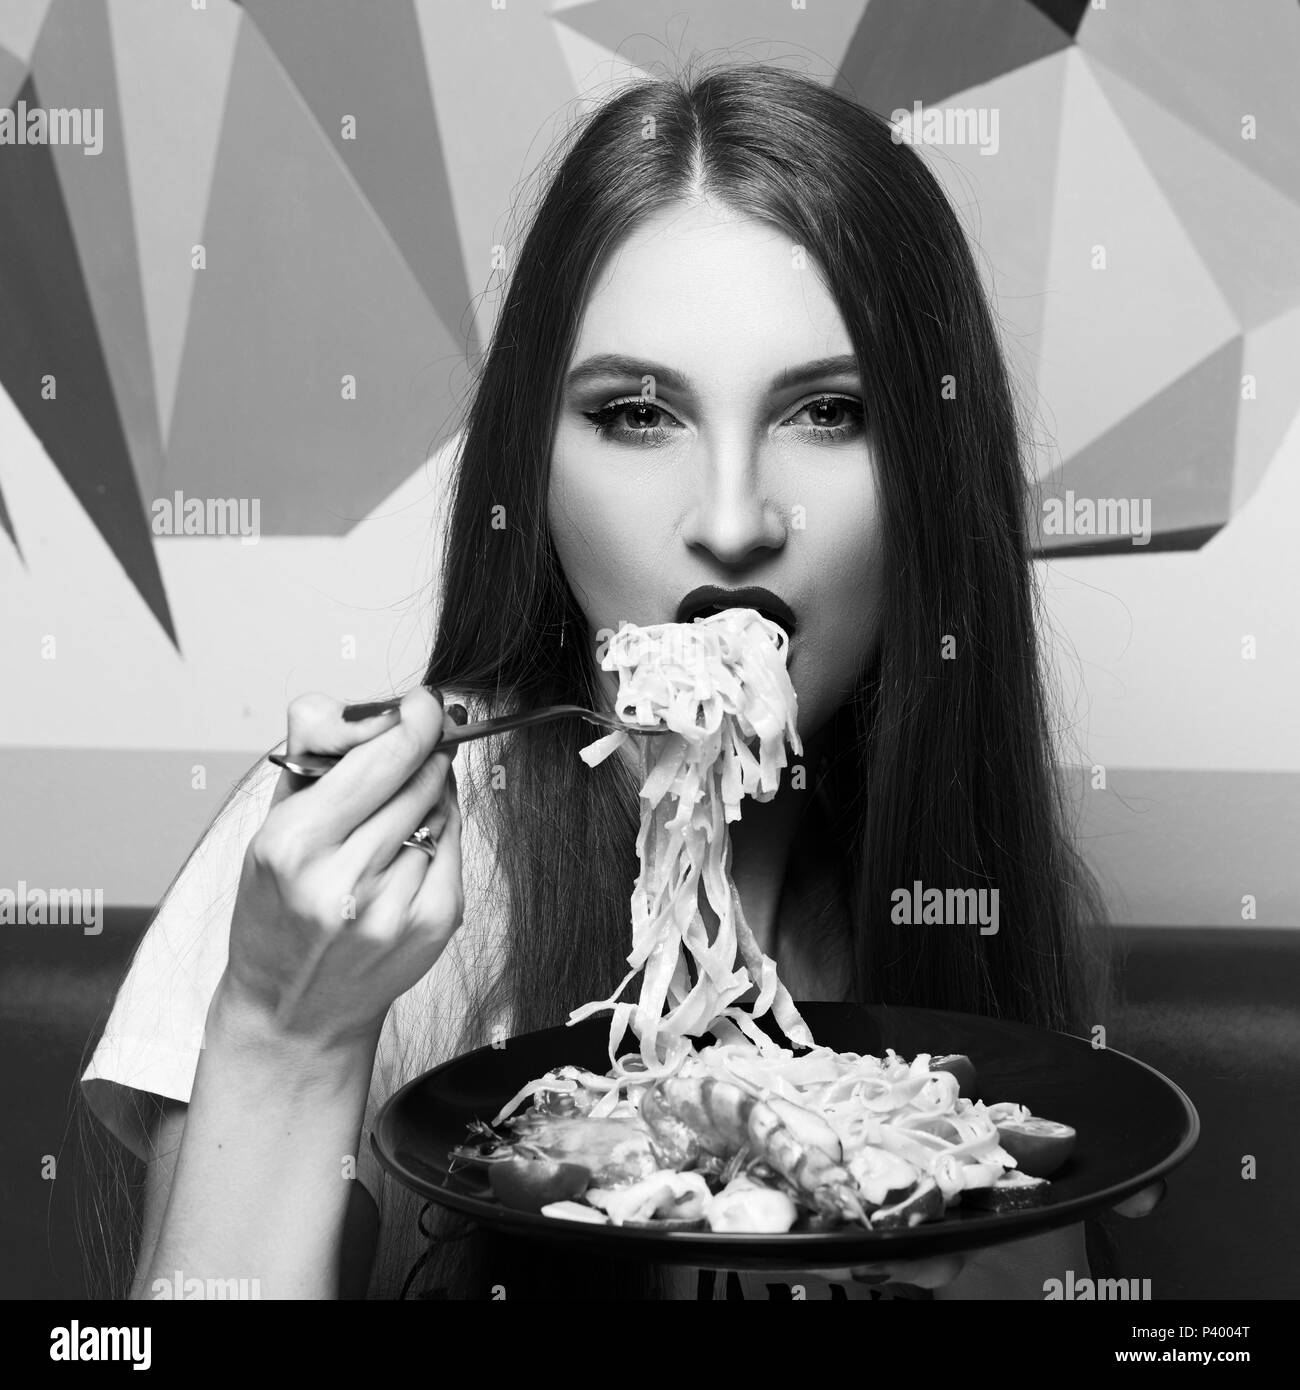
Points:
(712, 1123)
(742, 1141)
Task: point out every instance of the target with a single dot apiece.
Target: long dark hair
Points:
(940, 766)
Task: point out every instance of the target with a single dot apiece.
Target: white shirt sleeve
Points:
(154, 1034)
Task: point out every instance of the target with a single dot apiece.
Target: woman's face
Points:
(718, 471)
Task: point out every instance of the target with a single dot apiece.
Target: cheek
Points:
(845, 551)
(846, 537)
(604, 539)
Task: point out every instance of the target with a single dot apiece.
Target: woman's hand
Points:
(334, 917)
(1016, 1269)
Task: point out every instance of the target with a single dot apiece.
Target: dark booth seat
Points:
(1218, 1011)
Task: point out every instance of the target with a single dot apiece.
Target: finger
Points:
(371, 774)
(439, 903)
(865, 1274)
(436, 820)
(372, 847)
(318, 723)
(377, 841)
(404, 876)
(924, 1274)
(1142, 1203)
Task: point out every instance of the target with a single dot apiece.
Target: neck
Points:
(761, 843)
(760, 858)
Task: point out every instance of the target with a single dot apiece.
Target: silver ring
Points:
(423, 839)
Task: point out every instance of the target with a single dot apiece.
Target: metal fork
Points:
(314, 765)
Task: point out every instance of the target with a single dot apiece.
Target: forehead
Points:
(712, 292)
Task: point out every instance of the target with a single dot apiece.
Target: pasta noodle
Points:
(718, 684)
(883, 1142)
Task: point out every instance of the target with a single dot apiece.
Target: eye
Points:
(643, 414)
(641, 421)
(847, 419)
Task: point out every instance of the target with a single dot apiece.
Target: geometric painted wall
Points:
(312, 238)
(1143, 212)
(292, 194)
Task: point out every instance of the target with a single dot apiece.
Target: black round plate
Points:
(1134, 1125)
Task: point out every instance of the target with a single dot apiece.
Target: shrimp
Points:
(725, 1122)
(618, 1152)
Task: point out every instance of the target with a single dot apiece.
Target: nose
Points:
(732, 516)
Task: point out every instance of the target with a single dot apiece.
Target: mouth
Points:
(709, 599)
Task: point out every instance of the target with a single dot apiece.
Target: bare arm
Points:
(248, 1181)
(333, 920)
(165, 1142)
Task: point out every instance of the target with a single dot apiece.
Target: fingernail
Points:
(354, 713)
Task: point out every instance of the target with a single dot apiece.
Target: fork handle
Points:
(313, 765)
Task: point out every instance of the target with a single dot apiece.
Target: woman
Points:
(744, 344)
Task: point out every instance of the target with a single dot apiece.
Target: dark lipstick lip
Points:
(764, 600)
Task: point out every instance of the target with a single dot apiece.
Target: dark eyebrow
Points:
(611, 364)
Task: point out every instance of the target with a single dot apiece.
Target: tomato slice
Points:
(1013, 1191)
(925, 1203)
(962, 1068)
(529, 1184)
(1039, 1146)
